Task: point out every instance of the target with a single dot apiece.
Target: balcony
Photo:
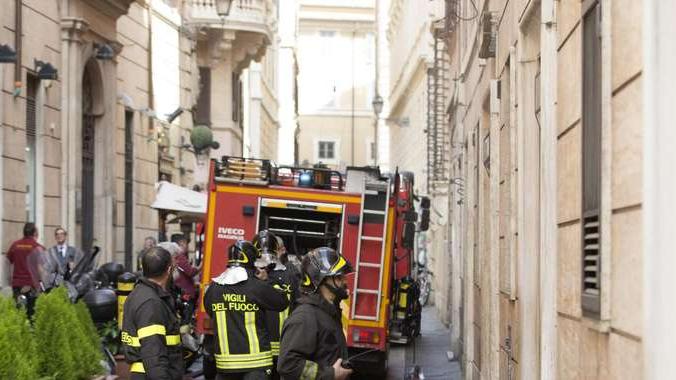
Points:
(255, 16)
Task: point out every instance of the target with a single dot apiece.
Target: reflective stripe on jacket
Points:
(150, 336)
(238, 314)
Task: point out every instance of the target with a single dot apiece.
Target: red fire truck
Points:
(368, 217)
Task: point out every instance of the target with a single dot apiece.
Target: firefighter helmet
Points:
(243, 254)
(322, 263)
(265, 242)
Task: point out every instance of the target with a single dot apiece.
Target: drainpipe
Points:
(4, 263)
(18, 31)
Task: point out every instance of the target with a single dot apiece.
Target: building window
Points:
(329, 60)
(591, 159)
(327, 150)
(203, 107)
(237, 106)
(31, 146)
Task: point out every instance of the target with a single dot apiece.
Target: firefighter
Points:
(236, 302)
(313, 345)
(279, 277)
(292, 271)
(150, 327)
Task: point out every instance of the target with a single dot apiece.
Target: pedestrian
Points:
(236, 301)
(148, 243)
(185, 277)
(65, 256)
(313, 345)
(150, 330)
(280, 277)
(23, 282)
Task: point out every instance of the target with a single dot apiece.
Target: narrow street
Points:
(429, 352)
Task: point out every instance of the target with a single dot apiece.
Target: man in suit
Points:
(64, 255)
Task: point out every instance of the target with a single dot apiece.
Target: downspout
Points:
(376, 83)
(18, 32)
(4, 263)
(354, 35)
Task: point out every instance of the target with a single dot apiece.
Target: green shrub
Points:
(63, 331)
(18, 352)
(91, 350)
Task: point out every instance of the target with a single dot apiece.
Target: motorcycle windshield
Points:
(44, 269)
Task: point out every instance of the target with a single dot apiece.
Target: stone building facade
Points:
(336, 82)
(85, 151)
(547, 222)
(416, 74)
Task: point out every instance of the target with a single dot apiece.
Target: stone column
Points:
(72, 44)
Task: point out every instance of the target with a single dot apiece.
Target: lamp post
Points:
(223, 7)
(377, 109)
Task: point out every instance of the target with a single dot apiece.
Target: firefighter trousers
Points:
(260, 374)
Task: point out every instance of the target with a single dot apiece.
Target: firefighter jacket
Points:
(312, 340)
(237, 301)
(150, 333)
(282, 279)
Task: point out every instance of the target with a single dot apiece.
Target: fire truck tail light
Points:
(365, 336)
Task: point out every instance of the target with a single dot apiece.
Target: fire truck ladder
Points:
(377, 196)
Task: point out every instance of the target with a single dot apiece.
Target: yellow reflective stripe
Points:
(250, 325)
(134, 341)
(275, 348)
(137, 367)
(309, 371)
(173, 340)
(402, 299)
(151, 330)
(243, 357)
(221, 322)
(125, 286)
(245, 365)
(282, 317)
(341, 263)
(237, 361)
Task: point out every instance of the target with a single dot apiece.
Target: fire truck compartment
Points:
(302, 225)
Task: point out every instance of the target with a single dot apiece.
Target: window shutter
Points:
(591, 265)
(591, 161)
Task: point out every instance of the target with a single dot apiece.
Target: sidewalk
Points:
(429, 352)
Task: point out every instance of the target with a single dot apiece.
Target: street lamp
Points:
(377, 109)
(223, 7)
(378, 105)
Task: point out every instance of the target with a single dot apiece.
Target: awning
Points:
(186, 204)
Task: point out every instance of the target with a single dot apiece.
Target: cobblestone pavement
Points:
(429, 352)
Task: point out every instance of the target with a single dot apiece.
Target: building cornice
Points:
(112, 8)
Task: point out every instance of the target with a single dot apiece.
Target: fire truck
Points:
(366, 216)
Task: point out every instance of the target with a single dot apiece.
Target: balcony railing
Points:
(252, 15)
